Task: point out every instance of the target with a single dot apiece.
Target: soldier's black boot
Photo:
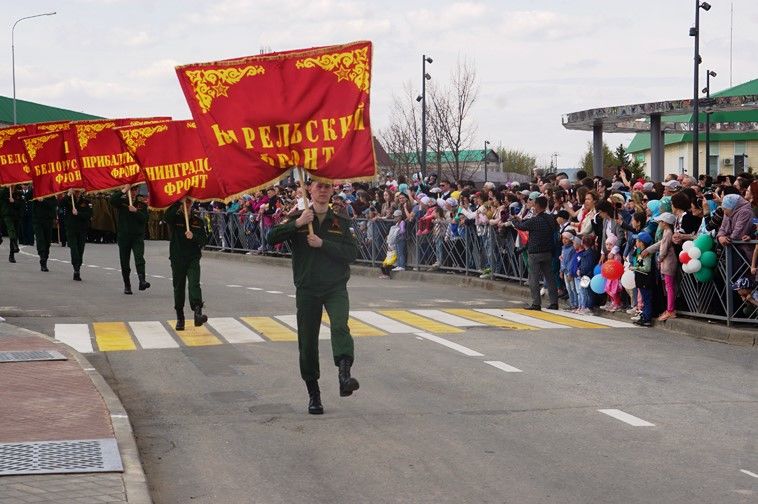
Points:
(179, 320)
(314, 398)
(347, 384)
(14, 246)
(43, 265)
(200, 319)
(12, 256)
(142, 283)
(77, 277)
(127, 284)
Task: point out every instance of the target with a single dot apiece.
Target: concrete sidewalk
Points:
(59, 419)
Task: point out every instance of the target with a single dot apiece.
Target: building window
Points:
(713, 165)
(681, 164)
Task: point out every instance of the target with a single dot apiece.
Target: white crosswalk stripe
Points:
(233, 330)
(291, 320)
(152, 335)
(384, 323)
(76, 336)
(447, 318)
(521, 319)
(594, 319)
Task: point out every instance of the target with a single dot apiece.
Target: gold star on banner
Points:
(342, 74)
(220, 90)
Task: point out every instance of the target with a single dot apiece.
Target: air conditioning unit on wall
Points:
(727, 161)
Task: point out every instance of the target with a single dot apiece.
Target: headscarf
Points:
(730, 201)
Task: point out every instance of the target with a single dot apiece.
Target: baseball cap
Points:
(397, 213)
(666, 217)
(645, 238)
(673, 185)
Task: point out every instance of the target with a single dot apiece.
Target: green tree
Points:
(623, 159)
(517, 161)
(609, 159)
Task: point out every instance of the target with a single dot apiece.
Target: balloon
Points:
(694, 265)
(627, 280)
(597, 284)
(709, 259)
(612, 270)
(597, 270)
(694, 252)
(684, 257)
(686, 267)
(686, 246)
(704, 242)
(704, 275)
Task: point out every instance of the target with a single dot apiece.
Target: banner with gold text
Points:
(173, 161)
(14, 165)
(104, 160)
(54, 166)
(261, 115)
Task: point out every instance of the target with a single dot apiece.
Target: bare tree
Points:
(402, 138)
(435, 132)
(453, 109)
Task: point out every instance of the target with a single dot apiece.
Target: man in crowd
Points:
(78, 212)
(540, 248)
(44, 212)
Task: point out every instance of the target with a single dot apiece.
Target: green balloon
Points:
(704, 242)
(709, 259)
(704, 275)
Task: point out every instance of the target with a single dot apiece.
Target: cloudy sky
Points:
(535, 60)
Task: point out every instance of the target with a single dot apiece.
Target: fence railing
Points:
(475, 250)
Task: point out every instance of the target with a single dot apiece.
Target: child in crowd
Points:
(613, 287)
(392, 242)
(584, 264)
(642, 265)
(667, 261)
(568, 253)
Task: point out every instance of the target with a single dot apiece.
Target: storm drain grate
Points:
(60, 457)
(31, 355)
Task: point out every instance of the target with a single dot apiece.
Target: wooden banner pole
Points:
(305, 196)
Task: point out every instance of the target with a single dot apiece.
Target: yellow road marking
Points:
(357, 327)
(552, 317)
(422, 323)
(112, 336)
(195, 336)
(270, 328)
(490, 320)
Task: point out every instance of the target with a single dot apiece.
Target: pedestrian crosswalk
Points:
(151, 335)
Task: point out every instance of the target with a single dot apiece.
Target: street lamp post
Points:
(424, 77)
(707, 90)
(695, 32)
(13, 55)
(486, 143)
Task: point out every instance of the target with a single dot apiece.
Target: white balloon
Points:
(686, 246)
(686, 266)
(627, 280)
(694, 252)
(694, 265)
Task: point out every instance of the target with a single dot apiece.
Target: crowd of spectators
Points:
(597, 219)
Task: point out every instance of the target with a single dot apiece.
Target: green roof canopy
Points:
(466, 156)
(30, 112)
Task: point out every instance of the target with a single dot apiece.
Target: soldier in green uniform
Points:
(321, 269)
(185, 250)
(11, 209)
(78, 214)
(44, 212)
(130, 235)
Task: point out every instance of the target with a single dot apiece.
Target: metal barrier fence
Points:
(474, 250)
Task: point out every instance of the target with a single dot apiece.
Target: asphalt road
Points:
(506, 416)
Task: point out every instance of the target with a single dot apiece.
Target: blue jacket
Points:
(568, 253)
(584, 263)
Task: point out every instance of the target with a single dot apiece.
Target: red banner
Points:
(105, 162)
(54, 165)
(174, 162)
(48, 127)
(262, 115)
(14, 165)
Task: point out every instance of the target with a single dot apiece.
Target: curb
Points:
(135, 482)
(700, 329)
